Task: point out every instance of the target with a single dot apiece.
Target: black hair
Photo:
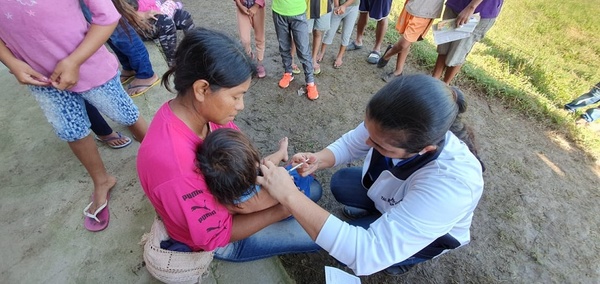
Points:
(209, 55)
(417, 111)
(228, 161)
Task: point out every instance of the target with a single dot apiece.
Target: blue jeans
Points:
(131, 51)
(347, 188)
(128, 47)
(286, 236)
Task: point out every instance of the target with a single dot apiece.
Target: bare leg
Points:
(317, 38)
(339, 59)
(440, 65)
(281, 155)
(139, 128)
(380, 30)
(451, 72)
(404, 49)
(86, 151)
(322, 52)
(293, 51)
(360, 27)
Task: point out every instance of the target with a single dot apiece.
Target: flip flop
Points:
(353, 46)
(126, 79)
(99, 220)
(317, 69)
(144, 90)
(295, 69)
(382, 62)
(336, 66)
(108, 140)
(373, 57)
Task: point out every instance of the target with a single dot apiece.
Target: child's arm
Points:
(465, 14)
(66, 72)
(20, 69)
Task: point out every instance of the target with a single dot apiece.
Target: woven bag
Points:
(172, 266)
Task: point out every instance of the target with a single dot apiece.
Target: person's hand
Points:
(252, 11)
(310, 160)
(26, 75)
(340, 10)
(65, 75)
(464, 15)
(276, 180)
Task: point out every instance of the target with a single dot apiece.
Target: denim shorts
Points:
(65, 110)
(320, 24)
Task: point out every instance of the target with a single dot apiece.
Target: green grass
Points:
(538, 56)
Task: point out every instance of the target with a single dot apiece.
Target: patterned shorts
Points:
(65, 110)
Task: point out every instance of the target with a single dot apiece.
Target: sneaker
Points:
(398, 270)
(311, 91)
(295, 69)
(260, 71)
(285, 80)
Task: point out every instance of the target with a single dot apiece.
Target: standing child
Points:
(251, 15)
(345, 11)
(452, 55)
(65, 62)
(414, 22)
(289, 19)
(319, 21)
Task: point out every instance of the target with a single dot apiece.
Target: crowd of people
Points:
(412, 200)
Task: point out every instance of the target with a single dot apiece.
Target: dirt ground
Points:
(538, 219)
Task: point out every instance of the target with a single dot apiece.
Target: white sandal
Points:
(93, 216)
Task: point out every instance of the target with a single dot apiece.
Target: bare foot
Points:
(338, 63)
(113, 140)
(126, 75)
(101, 192)
(282, 152)
(141, 85)
(319, 57)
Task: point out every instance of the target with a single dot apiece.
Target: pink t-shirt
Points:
(166, 165)
(42, 33)
(147, 5)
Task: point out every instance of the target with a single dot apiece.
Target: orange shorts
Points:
(412, 28)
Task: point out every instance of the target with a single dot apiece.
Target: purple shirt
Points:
(487, 9)
(42, 33)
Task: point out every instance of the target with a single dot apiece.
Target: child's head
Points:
(212, 56)
(228, 160)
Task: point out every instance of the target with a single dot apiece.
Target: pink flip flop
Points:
(99, 220)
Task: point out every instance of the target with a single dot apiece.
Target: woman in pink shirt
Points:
(209, 96)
